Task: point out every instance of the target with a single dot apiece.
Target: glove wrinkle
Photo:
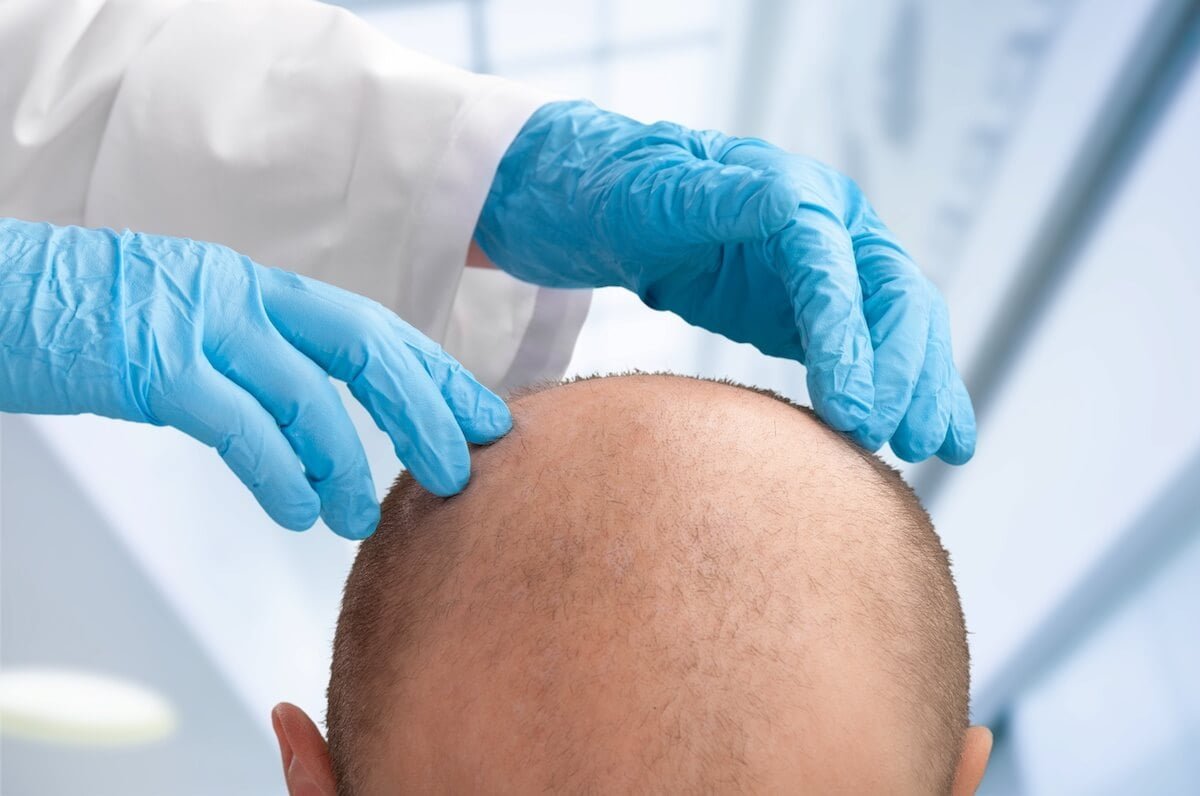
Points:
(190, 334)
(588, 198)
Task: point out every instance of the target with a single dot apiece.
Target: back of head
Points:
(653, 583)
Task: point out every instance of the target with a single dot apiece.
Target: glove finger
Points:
(217, 412)
(407, 404)
(814, 259)
(310, 414)
(901, 302)
(381, 359)
(942, 420)
(898, 314)
(705, 201)
(481, 414)
(882, 260)
(959, 445)
(927, 420)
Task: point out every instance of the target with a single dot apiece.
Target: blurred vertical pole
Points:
(768, 24)
(900, 70)
(605, 50)
(481, 60)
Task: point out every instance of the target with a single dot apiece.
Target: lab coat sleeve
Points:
(290, 131)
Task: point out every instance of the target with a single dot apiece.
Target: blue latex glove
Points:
(744, 239)
(194, 335)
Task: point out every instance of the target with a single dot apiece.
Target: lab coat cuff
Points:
(507, 332)
(511, 334)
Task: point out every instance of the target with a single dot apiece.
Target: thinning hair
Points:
(396, 594)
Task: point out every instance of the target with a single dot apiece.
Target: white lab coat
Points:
(294, 133)
(290, 131)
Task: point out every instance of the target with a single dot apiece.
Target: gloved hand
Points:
(194, 335)
(744, 239)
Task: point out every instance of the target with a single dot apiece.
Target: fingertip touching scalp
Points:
(651, 583)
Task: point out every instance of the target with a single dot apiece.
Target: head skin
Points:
(653, 583)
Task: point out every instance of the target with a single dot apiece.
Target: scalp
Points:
(650, 579)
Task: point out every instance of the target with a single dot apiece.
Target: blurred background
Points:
(1039, 159)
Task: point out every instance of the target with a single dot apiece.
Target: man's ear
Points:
(977, 747)
(306, 766)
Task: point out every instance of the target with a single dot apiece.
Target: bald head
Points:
(652, 583)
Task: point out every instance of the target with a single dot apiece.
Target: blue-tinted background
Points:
(1038, 158)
